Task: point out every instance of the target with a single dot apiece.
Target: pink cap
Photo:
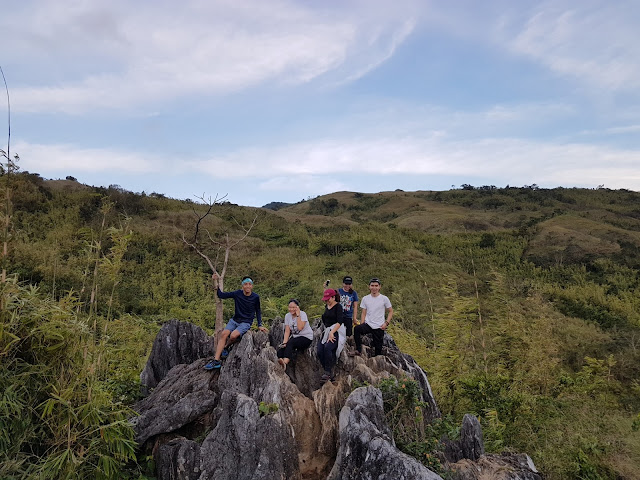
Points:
(328, 293)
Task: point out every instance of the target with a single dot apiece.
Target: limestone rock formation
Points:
(253, 420)
(176, 343)
(470, 444)
(367, 450)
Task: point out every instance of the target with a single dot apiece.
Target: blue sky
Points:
(276, 100)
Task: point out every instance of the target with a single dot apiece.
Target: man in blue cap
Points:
(247, 306)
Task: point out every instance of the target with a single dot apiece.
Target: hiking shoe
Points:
(325, 378)
(355, 353)
(225, 353)
(213, 365)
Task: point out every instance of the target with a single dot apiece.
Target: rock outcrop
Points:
(176, 343)
(252, 419)
(470, 444)
(367, 450)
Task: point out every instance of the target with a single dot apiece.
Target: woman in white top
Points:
(297, 333)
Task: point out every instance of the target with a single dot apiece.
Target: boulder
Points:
(470, 444)
(183, 398)
(176, 343)
(179, 459)
(367, 450)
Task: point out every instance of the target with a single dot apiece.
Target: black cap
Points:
(374, 280)
(347, 280)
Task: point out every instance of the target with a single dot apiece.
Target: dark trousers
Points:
(348, 325)
(327, 354)
(294, 343)
(365, 329)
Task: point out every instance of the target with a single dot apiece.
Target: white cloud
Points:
(303, 186)
(594, 42)
(316, 168)
(514, 160)
(146, 54)
(51, 160)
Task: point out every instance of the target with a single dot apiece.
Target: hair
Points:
(294, 300)
(336, 297)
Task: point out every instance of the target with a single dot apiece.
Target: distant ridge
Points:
(277, 205)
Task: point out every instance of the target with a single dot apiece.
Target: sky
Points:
(285, 100)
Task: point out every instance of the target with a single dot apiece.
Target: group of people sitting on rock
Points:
(340, 320)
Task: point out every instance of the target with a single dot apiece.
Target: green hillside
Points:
(522, 304)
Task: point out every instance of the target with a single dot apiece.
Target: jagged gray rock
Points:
(203, 425)
(176, 343)
(179, 459)
(470, 444)
(247, 446)
(367, 450)
(183, 397)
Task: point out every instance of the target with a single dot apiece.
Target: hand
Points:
(282, 345)
(384, 325)
(263, 329)
(332, 337)
(297, 311)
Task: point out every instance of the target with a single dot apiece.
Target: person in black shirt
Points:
(333, 339)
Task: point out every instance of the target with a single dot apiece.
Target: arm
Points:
(355, 311)
(222, 294)
(299, 320)
(287, 333)
(389, 317)
(216, 285)
(363, 315)
(338, 323)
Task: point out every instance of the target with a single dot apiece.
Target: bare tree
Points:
(203, 241)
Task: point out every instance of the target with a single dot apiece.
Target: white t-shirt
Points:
(293, 325)
(375, 307)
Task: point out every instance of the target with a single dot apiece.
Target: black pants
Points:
(365, 329)
(327, 354)
(294, 343)
(348, 325)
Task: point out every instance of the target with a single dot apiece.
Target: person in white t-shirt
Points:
(297, 333)
(373, 308)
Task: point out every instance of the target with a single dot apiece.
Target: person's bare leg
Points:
(222, 343)
(233, 338)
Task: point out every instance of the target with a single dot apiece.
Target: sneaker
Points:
(355, 353)
(213, 365)
(225, 353)
(325, 378)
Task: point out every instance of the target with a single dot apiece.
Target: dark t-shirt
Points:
(247, 307)
(332, 315)
(346, 300)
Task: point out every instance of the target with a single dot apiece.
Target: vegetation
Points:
(522, 304)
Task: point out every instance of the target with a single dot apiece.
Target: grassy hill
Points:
(522, 304)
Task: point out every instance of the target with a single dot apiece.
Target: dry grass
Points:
(583, 236)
